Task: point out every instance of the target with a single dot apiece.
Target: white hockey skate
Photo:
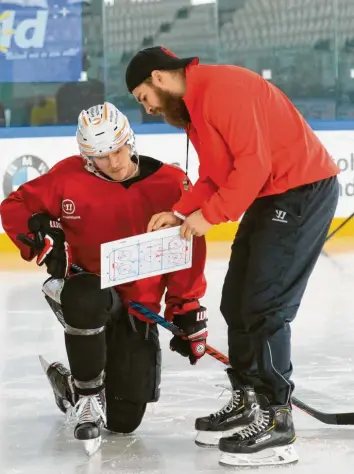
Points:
(91, 417)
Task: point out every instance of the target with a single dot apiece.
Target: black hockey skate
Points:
(91, 415)
(268, 441)
(62, 384)
(233, 417)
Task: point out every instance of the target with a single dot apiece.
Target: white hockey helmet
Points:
(103, 129)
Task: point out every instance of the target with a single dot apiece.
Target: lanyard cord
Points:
(186, 180)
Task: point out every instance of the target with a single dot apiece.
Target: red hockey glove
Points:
(193, 322)
(50, 245)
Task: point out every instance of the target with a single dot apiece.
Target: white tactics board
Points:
(143, 256)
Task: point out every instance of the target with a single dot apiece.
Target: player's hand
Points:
(50, 245)
(195, 224)
(194, 324)
(163, 220)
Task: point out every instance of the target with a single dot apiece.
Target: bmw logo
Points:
(21, 170)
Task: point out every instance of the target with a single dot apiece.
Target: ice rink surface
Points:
(34, 438)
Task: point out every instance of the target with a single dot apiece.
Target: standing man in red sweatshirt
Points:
(258, 157)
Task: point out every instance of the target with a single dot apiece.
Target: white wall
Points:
(340, 145)
(22, 159)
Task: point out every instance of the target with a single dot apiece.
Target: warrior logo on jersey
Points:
(21, 170)
(68, 206)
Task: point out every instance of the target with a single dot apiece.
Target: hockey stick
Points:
(328, 418)
(332, 234)
(175, 329)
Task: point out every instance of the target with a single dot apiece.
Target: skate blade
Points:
(210, 439)
(92, 445)
(44, 363)
(268, 457)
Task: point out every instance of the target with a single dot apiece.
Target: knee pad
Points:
(124, 416)
(85, 305)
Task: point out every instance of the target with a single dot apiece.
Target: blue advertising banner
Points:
(40, 40)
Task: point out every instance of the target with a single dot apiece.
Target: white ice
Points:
(34, 439)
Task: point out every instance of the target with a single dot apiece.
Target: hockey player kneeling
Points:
(107, 193)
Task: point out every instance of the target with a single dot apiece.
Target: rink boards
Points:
(30, 151)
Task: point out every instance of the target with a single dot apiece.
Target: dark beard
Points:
(173, 109)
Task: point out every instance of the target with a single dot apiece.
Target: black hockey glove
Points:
(50, 245)
(193, 323)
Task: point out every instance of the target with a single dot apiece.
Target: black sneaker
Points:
(267, 441)
(233, 417)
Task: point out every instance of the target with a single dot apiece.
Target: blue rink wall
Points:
(27, 152)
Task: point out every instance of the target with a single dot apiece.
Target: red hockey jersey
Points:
(94, 211)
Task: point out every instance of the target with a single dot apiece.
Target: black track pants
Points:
(274, 252)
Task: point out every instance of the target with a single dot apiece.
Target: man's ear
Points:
(157, 77)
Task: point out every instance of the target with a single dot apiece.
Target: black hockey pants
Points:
(274, 252)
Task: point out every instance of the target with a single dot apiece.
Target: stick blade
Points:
(345, 419)
(327, 418)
